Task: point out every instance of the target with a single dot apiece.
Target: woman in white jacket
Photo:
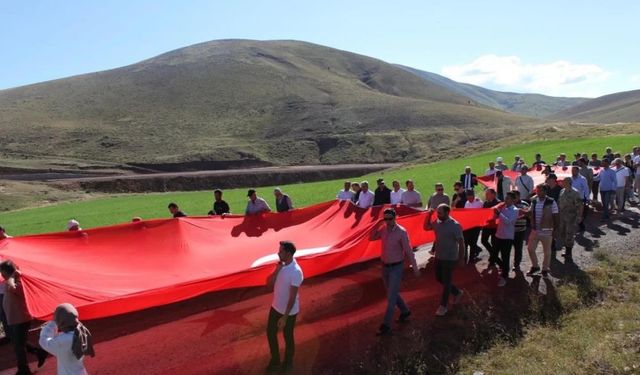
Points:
(68, 340)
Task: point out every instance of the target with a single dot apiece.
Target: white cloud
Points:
(510, 73)
(635, 78)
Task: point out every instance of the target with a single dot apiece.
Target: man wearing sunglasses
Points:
(438, 198)
(396, 249)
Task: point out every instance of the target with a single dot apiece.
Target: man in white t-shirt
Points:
(524, 183)
(285, 280)
(622, 177)
(396, 193)
(471, 235)
(345, 194)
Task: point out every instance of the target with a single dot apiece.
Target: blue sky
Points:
(572, 48)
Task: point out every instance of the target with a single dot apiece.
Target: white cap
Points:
(72, 223)
(499, 158)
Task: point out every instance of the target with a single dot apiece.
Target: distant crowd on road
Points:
(550, 214)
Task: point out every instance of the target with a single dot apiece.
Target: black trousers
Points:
(595, 186)
(585, 211)
(3, 319)
(272, 337)
(471, 241)
(444, 275)
(19, 333)
(503, 246)
(488, 240)
(518, 245)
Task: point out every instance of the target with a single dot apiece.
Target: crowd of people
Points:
(549, 214)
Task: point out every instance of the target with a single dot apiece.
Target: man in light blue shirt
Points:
(579, 183)
(608, 186)
(507, 214)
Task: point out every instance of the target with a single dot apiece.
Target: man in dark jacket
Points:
(467, 179)
(382, 194)
(283, 202)
(220, 207)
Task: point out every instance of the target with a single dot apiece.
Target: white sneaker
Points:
(442, 311)
(502, 282)
(458, 298)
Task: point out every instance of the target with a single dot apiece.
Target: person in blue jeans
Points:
(396, 249)
(608, 186)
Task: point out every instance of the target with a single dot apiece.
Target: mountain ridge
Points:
(526, 104)
(613, 108)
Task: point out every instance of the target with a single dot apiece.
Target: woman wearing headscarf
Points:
(68, 340)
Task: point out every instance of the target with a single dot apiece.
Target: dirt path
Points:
(225, 179)
(71, 176)
(223, 333)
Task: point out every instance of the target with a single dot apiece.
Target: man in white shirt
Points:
(507, 214)
(411, 197)
(285, 280)
(396, 193)
(471, 235)
(256, 205)
(491, 170)
(524, 183)
(366, 196)
(622, 177)
(345, 194)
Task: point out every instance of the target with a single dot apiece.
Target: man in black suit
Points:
(382, 194)
(468, 179)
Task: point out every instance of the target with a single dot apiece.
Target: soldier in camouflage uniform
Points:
(570, 205)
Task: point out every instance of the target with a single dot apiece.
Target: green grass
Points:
(121, 208)
(598, 333)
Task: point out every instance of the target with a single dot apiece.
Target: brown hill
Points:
(608, 109)
(281, 102)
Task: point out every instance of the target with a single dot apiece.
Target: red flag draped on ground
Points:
(538, 177)
(122, 268)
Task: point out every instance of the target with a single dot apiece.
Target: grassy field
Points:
(597, 333)
(121, 208)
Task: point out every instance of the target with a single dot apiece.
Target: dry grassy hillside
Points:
(282, 102)
(608, 109)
